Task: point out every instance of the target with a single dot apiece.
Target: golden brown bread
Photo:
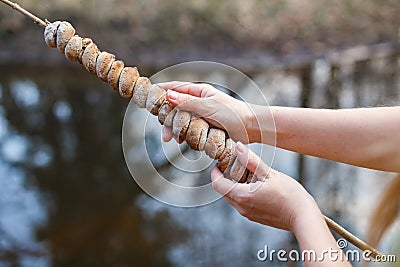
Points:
(155, 99)
(50, 34)
(85, 43)
(215, 143)
(227, 155)
(250, 177)
(163, 111)
(196, 131)
(237, 171)
(141, 91)
(103, 65)
(180, 124)
(127, 81)
(64, 32)
(114, 73)
(74, 48)
(170, 117)
(196, 135)
(89, 57)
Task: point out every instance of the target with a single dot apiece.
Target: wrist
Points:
(306, 216)
(260, 124)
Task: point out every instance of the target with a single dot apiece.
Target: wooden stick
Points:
(334, 226)
(25, 12)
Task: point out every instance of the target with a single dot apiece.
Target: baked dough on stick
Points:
(215, 143)
(185, 126)
(180, 124)
(64, 32)
(141, 91)
(196, 135)
(103, 65)
(74, 48)
(155, 99)
(114, 73)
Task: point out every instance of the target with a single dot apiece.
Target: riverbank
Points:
(155, 34)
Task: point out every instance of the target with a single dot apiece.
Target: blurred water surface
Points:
(67, 198)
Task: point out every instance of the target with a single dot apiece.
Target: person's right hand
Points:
(273, 199)
(218, 108)
(278, 200)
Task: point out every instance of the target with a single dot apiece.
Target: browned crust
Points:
(170, 118)
(89, 57)
(114, 73)
(244, 176)
(203, 138)
(103, 65)
(180, 124)
(230, 163)
(198, 128)
(155, 99)
(249, 178)
(127, 80)
(50, 34)
(74, 48)
(141, 91)
(215, 143)
(237, 171)
(85, 43)
(227, 155)
(163, 111)
(64, 32)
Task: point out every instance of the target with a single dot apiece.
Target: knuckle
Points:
(207, 86)
(251, 163)
(187, 98)
(215, 186)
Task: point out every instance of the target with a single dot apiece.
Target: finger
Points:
(185, 102)
(166, 133)
(220, 183)
(172, 84)
(251, 161)
(185, 87)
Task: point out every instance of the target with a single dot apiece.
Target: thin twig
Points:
(25, 12)
(351, 238)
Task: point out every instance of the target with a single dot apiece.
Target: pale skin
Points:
(366, 137)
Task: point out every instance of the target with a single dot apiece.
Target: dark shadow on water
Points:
(73, 159)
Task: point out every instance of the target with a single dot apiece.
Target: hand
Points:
(275, 199)
(219, 109)
(278, 200)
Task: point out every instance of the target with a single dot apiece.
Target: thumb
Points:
(220, 183)
(185, 101)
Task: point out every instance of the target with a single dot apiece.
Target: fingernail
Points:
(240, 147)
(172, 95)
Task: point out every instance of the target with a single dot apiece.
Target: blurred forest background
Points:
(66, 196)
(159, 32)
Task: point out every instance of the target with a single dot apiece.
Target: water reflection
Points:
(62, 110)
(67, 199)
(25, 94)
(22, 211)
